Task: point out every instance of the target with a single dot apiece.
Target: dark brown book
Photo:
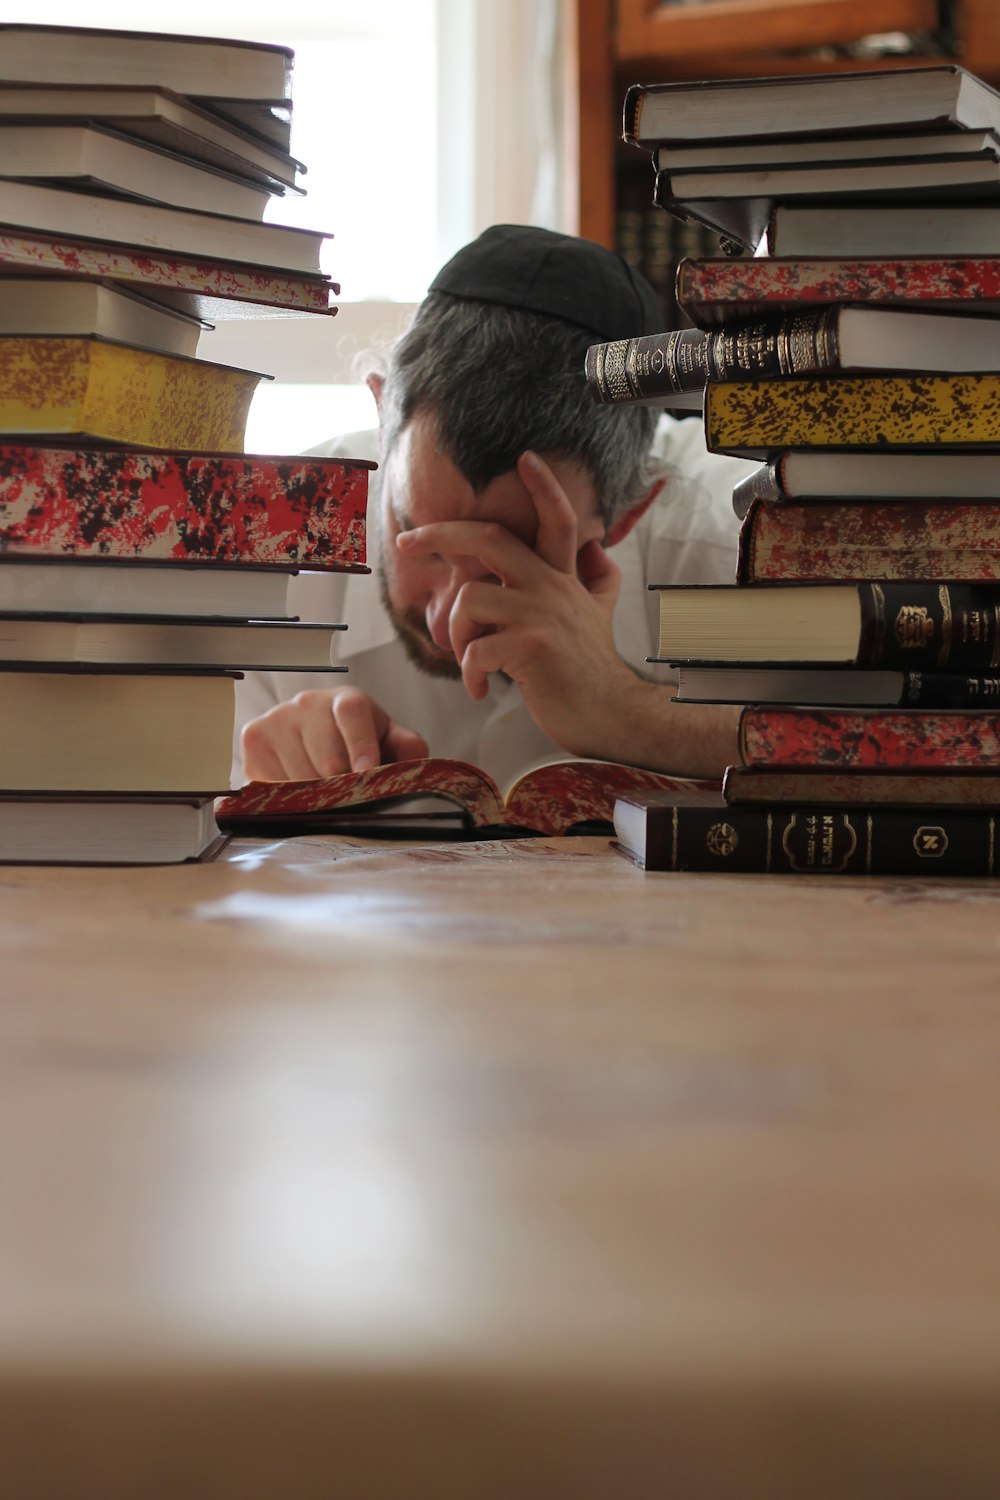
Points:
(660, 833)
(833, 686)
(854, 788)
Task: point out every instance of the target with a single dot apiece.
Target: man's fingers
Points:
(491, 544)
(600, 576)
(361, 724)
(403, 744)
(556, 541)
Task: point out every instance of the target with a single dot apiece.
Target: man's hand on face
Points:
(543, 618)
(322, 733)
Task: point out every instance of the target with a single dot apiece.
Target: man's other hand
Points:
(324, 732)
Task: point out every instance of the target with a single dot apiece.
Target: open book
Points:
(443, 796)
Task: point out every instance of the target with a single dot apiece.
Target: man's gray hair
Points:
(499, 381)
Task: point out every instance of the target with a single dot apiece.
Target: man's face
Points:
(421, 485)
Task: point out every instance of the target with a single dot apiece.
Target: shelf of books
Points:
(144, 557)
(853, 349)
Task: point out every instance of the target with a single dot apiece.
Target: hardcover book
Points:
(831, 686)
(555, 798)
(930, 98)
(848, 230)
(251, 81)
(724, 289)
(63, 640)
(142, 226)
(210, 289)
(792, 736)
(107, 830)
(91, 387)
(738, 202)
(829, 539)
(160, 506)
(163, 118)
(858, 476)
(114, 732)
(98, 160)
(663, 834)
(756, 419)
(913, 626)
(109, 586)
(853, 788)
(85, 307)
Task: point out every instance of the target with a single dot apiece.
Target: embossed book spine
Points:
(115, 392)
(183, 507)
(932, 412)
(665, 364)
(804, 840)
(841, 738)
(895, 540)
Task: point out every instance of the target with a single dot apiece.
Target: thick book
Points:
(875, 476)
(679, 363)
(846, 230)
(912, 626)
(97, 160)
(163, 118)
(712, 837)
(252, 81)
(84, 306)
(115, 732)
(853, 788)
(757, 419)
(136, 642)
(554, 798)
(95, 388)
(833, 686)
(800, 541)
(157, 506)
(724, 289)
(110, 586)
(152, 226)
(108, 830)
(738, 203)
(930, 98)
(789, 736)
(210, 289)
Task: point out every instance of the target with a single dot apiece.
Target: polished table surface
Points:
(333, 1168)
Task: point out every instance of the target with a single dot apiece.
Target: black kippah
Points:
(558, 275)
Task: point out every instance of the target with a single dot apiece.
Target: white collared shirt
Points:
(687, 536)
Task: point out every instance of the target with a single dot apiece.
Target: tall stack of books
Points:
(144, 558)
(857, 354)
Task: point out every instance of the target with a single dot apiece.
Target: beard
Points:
(412, 631)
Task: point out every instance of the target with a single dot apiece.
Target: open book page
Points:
(411, 781)
(550, 798)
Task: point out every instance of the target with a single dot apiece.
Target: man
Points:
(514, 527)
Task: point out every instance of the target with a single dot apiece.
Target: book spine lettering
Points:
(663, 364)
(949, 690)
(929, 626)
(828, 841)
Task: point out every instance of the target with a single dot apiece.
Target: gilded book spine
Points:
(667, 364)
(807, 840)
(932, 627)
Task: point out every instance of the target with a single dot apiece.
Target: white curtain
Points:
(500, 137)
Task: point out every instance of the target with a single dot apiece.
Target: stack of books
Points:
(857, 354)
(144, 559)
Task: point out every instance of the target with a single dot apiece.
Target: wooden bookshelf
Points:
(612, 43)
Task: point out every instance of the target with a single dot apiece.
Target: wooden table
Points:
(343, 1169)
